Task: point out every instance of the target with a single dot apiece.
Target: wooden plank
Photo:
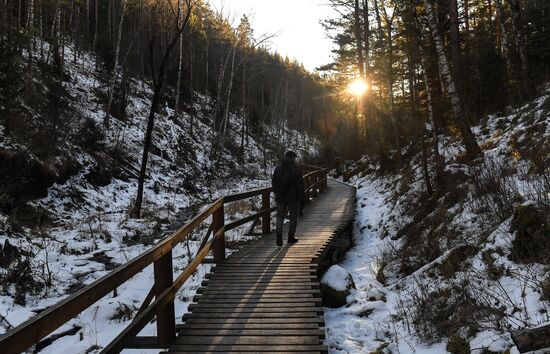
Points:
(532, 339)
(299, 348)
(254, 320)
(267, 351)
(245, 195)
(248, 326)
(245, 340)
(198, 332)
(275, 261)
(259, 302)
(259, 296)
(249, 315)
(253, 272)
(261, 279)
(245, 309)
(309, 280)
(288, 306)
(304, 287)
(237, 269)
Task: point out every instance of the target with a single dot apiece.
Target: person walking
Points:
(288, 185)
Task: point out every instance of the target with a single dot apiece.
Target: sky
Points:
(295, 23)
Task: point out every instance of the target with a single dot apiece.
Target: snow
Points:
(90, 231)
(378, 316)
(336, 277)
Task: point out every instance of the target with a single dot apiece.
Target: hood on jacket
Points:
(287, 162)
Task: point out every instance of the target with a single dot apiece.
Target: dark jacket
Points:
(288, 182)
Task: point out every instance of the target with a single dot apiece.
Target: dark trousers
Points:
(282, 210)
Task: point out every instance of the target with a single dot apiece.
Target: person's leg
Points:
(294, 210)
(281, 213)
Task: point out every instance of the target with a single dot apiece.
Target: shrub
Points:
(458, 345)
(454, 262)
(532, 241)
(545, 289)
(493, 192)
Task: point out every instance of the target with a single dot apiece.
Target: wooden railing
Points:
(164, 288)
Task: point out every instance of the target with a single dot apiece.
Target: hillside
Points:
(64, 221)
(462, 269)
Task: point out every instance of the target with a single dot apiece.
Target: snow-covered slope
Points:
(56, 244)
(440, 275)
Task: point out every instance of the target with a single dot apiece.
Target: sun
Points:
(358, 87)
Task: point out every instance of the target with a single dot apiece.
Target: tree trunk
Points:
(455, 42)
(178, 80)
(366, 36)
(358, 40)
(30, 30)
(136, 211)
(243, 108)
(114, 73)
(390, 80)
(228, 98)
(96, 27)
(158, 86)
(191, 86)
(76, 29)
(503, 42)
(468, 138)
(467, 17)
(515, 9)
(437, 155)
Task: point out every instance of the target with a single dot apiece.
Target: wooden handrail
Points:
(165, 288)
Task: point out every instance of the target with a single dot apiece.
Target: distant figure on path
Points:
(288, 185)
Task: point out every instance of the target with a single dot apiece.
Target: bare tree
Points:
(158, 77)
(515, 9)
(468, 138)
(115, 66)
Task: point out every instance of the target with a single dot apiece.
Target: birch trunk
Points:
(178, 80)
(191, 86)
(115, 67)
(472, 149)
(228, 97)
(243, 109)
(437, 155)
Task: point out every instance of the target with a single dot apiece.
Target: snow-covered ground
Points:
(90, 232)
(385, 313)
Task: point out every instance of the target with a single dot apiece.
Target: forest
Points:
(122, 119)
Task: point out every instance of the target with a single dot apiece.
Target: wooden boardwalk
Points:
(265, 298)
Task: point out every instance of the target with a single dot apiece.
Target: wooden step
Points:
(247, 326)
(299, 348)
(285, 305)
(254, 320)
(253, 309)
(250, 315)
(277, 332)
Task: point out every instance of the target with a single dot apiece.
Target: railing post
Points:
(166, 317)
(306, 185)
(325, 174)
(218, 222)
(266, 218)
(314, 190)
